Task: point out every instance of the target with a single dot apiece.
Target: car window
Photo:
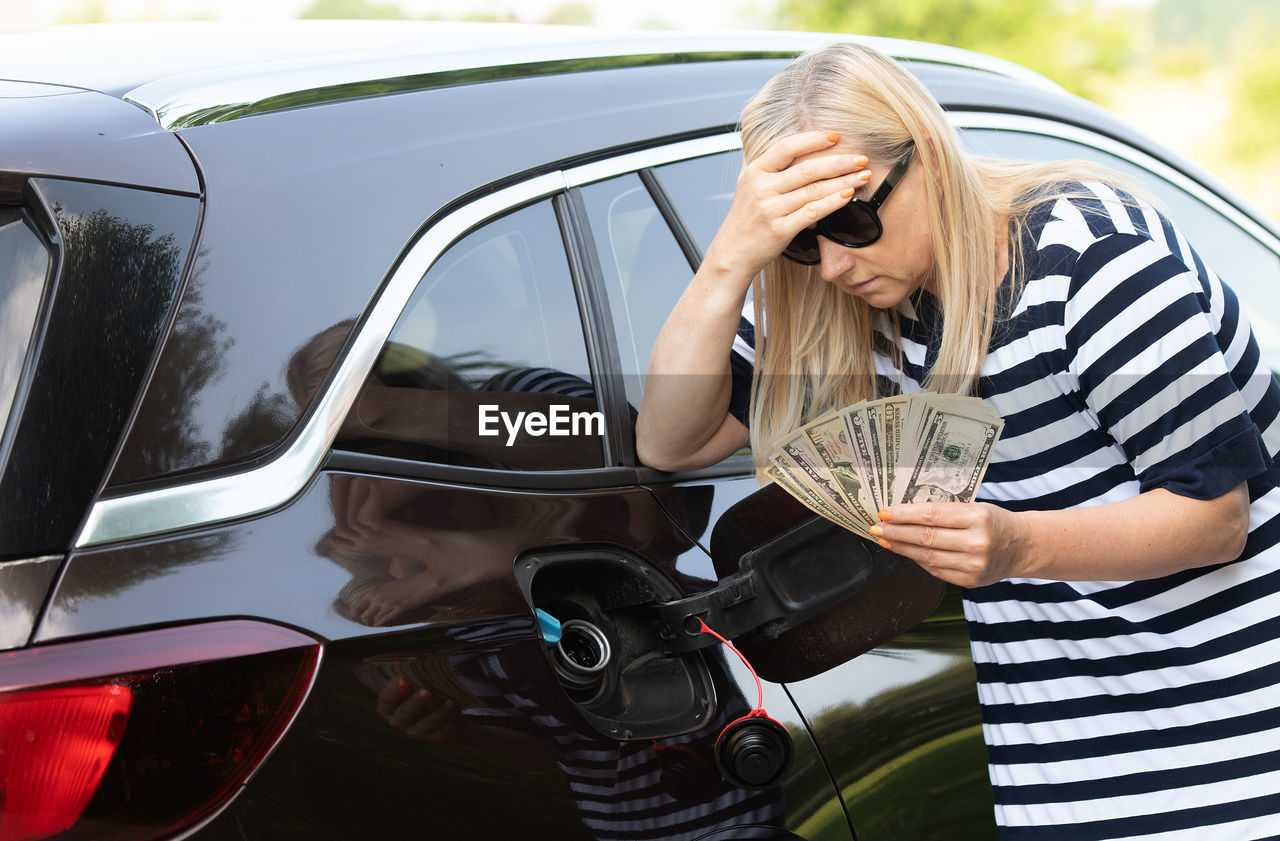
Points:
(24, 265)
(644, 269)
(487, 366)
(702, 189)
(1248, 267)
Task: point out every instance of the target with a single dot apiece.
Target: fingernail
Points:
(833, 136)
(861, 160)
(877, 530)
(847, 194)
(865, 175)
(402, 684)
(884, 514)
(884, 544)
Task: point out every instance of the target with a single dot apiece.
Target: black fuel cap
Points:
(754, 752)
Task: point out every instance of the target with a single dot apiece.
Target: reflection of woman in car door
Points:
(1123, 576)
(641, 790)
(488, 688)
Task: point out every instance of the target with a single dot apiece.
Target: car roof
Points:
(190, 73)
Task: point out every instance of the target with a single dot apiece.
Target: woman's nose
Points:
(836, 259)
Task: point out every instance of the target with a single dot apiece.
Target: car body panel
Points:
(70, 133)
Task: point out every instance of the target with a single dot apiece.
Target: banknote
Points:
(894, 413)
(796, 458)
(829, 438)
(863, 425)
(786, 478)
(849, 463)
(952, 458)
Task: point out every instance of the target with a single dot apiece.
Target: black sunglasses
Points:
(855, 225)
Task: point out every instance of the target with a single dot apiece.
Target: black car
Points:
(320, 515)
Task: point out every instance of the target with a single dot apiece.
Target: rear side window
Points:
(487, 366)
(24, 267)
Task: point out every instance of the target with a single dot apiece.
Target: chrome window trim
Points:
(231, 496)
(1038, 125)
(645, 158)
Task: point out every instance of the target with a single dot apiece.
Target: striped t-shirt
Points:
(1117, 709)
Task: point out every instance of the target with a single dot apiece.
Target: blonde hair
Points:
(815, 345)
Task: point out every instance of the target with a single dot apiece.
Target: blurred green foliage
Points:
(1254, 131)
(353, 10)
(90, 11)
(1080, 44)
(1215, 25)
(571, 13)
(101, 11)
(1240, 37)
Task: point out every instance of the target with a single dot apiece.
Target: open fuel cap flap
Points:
(797, 593)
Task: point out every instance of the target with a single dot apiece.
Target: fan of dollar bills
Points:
(852, 462)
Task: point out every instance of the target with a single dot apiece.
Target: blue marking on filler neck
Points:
(549, 625)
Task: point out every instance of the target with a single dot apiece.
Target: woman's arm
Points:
(1153, 534)
(683, 420)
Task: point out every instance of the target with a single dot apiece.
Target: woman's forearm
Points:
(1153, 534)
(683, 420)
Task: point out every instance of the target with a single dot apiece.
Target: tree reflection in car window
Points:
(24, 264)
(487, 366)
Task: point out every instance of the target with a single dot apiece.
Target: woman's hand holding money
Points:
(968, 544)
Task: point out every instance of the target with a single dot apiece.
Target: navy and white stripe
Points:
(1117, 709)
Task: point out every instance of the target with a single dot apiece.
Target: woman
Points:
(1121, 579)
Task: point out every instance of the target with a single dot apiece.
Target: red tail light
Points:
(141, 736)
(54, 747)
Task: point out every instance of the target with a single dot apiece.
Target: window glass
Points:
(24, 265)
(644, 269)
(487, 366)
(702, 189)
(1245, 264)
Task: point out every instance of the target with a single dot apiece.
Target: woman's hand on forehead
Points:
(790, 186)
(813, 157)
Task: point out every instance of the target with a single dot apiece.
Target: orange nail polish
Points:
(861, 160)
(833, 136)
(865, 175)
(847, 194)
(884, 514)
(877, 530)
(402, 684)
(884, 544)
